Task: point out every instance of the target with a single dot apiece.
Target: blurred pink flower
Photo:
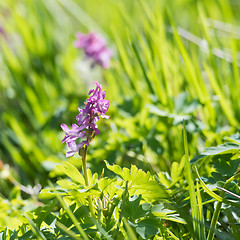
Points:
(94, 47)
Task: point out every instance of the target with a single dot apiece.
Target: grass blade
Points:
(192, 193)
(35, 230)
(122, 209)
(70, 213)
(130, 232)
(69, 232)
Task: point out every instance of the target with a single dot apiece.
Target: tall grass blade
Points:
(192, 193)
(35, 230)
(122, 210)
(70, 213)
(130, 232)
(200, 211)
(69, 232)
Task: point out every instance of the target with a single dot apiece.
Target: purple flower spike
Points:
(94, 47)
(95, 107)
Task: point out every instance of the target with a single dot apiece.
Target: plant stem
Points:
(122, 210)
(85, 165)
(214, 219)
(86, 179)
(218, 209)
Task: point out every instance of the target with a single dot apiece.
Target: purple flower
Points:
(95, 107)
(75, 147)
(94, 47)
(72, 135)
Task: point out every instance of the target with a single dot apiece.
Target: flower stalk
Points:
(84, 162)
(86, 129)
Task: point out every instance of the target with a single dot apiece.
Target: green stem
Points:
(122, 210)
(85, 165)
(218, 209)
(214, 219)
(86, 179)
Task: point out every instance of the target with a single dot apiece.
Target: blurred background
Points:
(172, 60)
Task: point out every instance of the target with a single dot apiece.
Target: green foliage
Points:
(174, 63)
(147, 204)
(139, 212)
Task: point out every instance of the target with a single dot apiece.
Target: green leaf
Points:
(223, 149)
(71, 172)
(116, 169)
(140, 182)
(46, 194)
(161, 211)
(147, 228)
(64, 183)
(208, 191)
(134, 210)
